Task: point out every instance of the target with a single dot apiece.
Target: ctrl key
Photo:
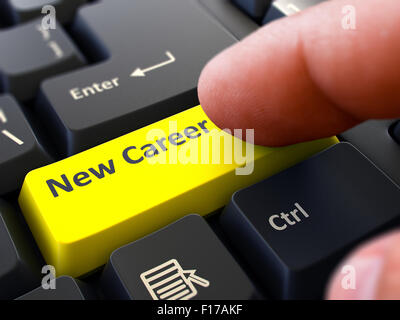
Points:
(300, 223)
(183, 261)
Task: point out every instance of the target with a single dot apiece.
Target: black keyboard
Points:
(87, 106)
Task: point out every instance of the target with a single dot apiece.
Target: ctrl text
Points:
(281, 221)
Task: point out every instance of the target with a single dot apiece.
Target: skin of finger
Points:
(389, 284)
(278, 80)
(377, 248)
(359, 70)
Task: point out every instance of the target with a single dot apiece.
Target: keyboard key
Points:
(66, 288)
(24, 10)
(21, 152)
(233, 19)
(155, 59)
(374, 140)
(255, 8)
(187, 261)
(396, 132)
(50, 52)
(301, 222)
(82, 208)
(283, 8)
(19, 267)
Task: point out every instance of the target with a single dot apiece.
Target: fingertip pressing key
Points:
(306, 76)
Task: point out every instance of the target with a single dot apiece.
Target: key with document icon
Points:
(169, 281)
(182, 261)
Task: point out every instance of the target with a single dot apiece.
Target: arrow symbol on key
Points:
(142, 72)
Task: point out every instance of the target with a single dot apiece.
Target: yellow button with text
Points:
(82, 208)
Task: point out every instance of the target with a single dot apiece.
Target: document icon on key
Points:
(169, 281)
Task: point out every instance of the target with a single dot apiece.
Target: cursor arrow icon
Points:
(142, 72)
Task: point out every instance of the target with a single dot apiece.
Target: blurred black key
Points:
(20, 269)
(20, 151)
(373, 138)
(254, 8)
(296, 226)
(396, 132)
(182, 261)
(30, 54)
(231, 17)
(24, 10)
(156, 51)
(66, 288)
(283, 8)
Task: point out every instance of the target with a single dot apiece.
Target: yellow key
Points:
(82, 208)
